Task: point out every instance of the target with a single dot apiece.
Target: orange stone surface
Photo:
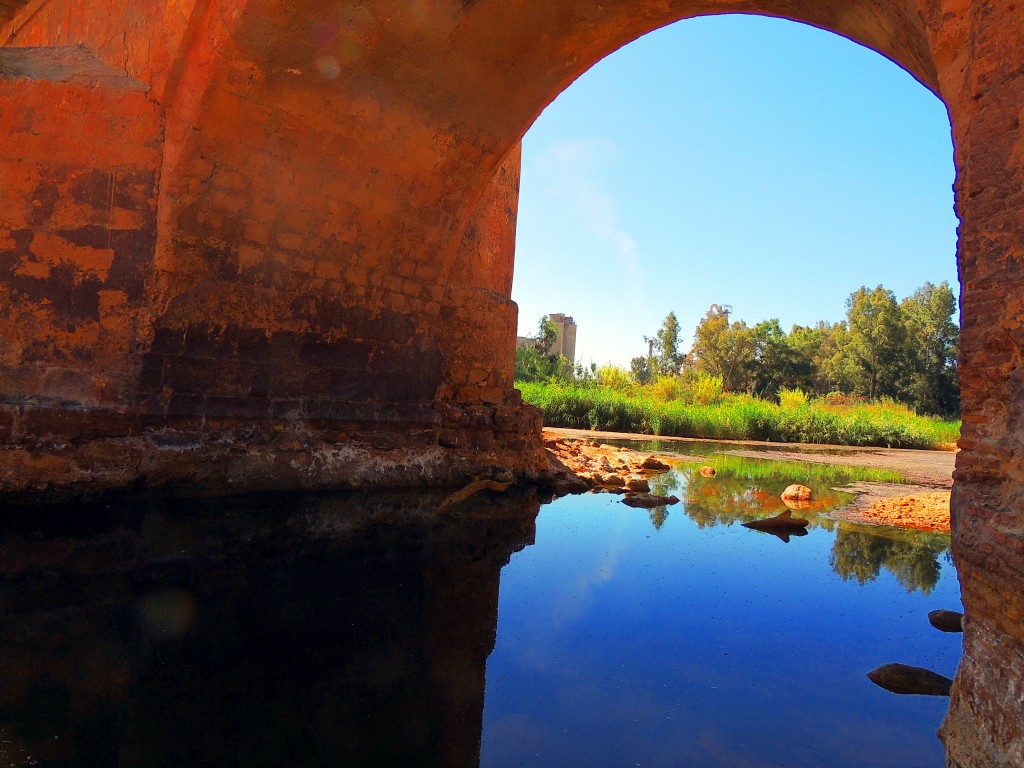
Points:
(248, 244)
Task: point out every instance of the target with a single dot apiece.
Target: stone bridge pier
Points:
(260, 244)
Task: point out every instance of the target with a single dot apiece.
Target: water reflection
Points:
(356, 630)
(743, 489)
(261, 632)
(860, 555)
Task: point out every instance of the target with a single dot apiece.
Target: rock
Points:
(946, 621)
(564, 484)
(903, 679)
(796, 492)
(614, 481)
(782, 521)
(653, 463)
(638, 484)
(648, 500)
(707, 471)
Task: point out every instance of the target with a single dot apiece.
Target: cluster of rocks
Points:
(605, 466)
(613, 469)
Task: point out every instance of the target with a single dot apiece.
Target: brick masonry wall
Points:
(77, 225)
(979, 50)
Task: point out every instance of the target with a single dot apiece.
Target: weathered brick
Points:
(290, 241)
(189, 375)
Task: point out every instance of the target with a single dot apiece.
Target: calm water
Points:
(349, 630)
(677, 637)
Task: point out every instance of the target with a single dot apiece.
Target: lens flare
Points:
(328, 67)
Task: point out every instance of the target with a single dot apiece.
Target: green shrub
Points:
(666, 388)
(615, 378)
(791, 399)
(706, 390)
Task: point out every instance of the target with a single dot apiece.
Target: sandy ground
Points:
(922, 504)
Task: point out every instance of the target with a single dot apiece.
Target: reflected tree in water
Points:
(658, 516)
(733, 496)
(745, 489)
(860, 556)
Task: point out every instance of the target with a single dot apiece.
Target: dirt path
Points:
(923, 503)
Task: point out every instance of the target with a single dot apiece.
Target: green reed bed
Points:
(737, 417)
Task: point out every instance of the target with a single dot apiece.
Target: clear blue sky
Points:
(733, 160)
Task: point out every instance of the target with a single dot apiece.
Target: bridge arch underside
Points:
(249, 244)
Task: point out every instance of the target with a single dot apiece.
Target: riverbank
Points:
(922, 502)
(738, 417)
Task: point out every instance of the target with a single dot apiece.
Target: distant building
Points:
(565, 342)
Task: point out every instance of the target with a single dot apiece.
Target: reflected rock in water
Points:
(782, 533)
(326, 630)
(648, 500)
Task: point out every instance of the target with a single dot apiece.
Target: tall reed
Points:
(738, 417)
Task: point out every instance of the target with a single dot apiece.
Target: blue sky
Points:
(734, 160)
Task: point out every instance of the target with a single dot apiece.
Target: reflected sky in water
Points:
(370, 630)
(677, 637)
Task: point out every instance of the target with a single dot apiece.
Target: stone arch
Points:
(296, 219)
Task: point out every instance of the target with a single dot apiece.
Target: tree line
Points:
(904, 350)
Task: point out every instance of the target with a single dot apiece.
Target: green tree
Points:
(534, 361)
(547, 335)
(876, 341)
(640, 370)
(776, 363)
(724, 350)
(668, 361)
(817, 349)
(933, 340)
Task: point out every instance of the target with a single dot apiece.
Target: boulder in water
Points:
(946, 621)
(796, 492)
(904, 679)
(653, 463)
